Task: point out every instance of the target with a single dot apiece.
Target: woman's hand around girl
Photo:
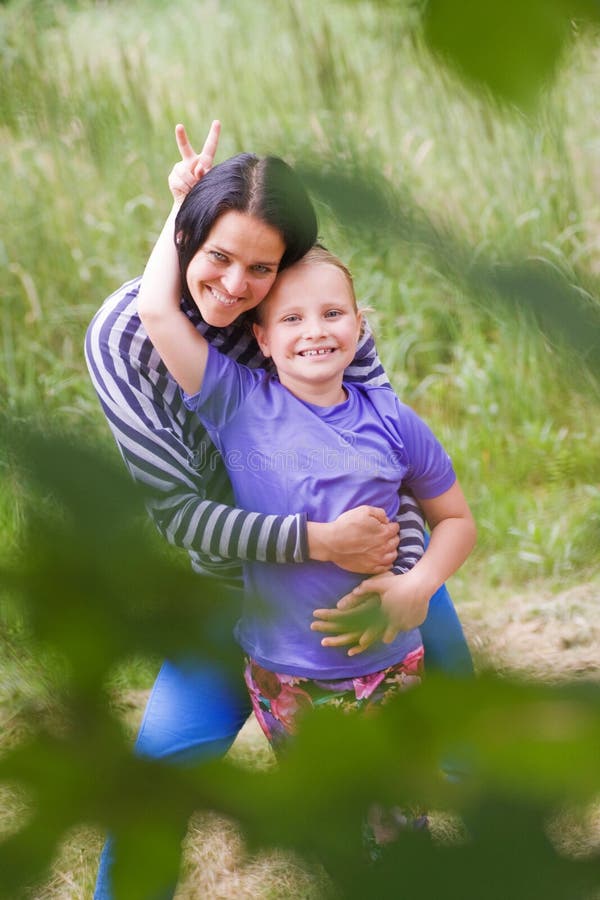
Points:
(360, 540)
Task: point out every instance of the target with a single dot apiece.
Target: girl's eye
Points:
(292, 318)
(332, 313)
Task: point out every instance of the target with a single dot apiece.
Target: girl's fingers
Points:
(390, 634)
(366, 639)
(356, 606)
(327, 614)
(185, 148)
(325, 627)
(198, 164)
(209, 150)
(362, 594)
(341, 640)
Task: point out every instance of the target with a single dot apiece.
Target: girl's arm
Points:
(400, 602)
(182, 348)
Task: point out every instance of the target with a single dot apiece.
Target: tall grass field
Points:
(90, 93)
(89, 97)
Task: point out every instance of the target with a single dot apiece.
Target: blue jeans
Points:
(196, 710)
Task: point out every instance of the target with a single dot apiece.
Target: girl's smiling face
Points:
(235, 267)
(309, 326)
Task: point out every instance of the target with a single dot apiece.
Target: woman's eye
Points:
(261, 270)
(219, 257)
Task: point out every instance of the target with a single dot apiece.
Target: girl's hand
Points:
(358, 627)
(404, 599)
(188, 172)
(384, 605)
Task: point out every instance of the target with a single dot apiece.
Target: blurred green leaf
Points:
(524, 750)
(511, 49)
(365, 202)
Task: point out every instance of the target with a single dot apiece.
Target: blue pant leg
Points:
(447, 652)
(195, 710)
(446, 648)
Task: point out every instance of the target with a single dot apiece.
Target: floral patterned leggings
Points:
(279, 699)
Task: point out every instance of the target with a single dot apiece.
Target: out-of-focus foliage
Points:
(90, 587)
(93, 590)
(512, 49)
(365, 201)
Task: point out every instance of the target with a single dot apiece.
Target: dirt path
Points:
(538, 632)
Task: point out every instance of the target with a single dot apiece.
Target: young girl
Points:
(307, 439)
(196, 708)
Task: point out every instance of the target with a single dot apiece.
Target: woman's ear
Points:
(261, 338)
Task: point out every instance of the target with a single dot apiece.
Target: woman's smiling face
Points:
(235, 267)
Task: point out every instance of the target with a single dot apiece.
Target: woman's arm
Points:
(186, 491)
(153, 433)
(167, 452)
(360, 540)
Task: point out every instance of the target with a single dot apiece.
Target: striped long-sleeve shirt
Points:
(167, 451)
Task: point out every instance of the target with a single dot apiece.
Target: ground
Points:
(547, 634)
(541, 633)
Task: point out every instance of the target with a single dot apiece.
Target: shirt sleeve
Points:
(429, 474)
(430, 471)
(169, 455)
(411, 544)
(226, 385)
(366, 366)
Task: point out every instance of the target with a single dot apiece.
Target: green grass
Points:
(88, 99)
(89, 96)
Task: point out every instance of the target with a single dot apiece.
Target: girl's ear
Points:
(260, 335)
(360, 324)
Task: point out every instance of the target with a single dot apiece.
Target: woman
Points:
(194, 709)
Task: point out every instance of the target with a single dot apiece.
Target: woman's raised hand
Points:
(192, 166)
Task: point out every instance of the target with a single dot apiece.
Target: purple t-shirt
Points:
(283, 454)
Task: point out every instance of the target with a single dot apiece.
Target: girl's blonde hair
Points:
(320, 254)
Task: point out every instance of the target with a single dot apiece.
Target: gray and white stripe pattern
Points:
(168, 452)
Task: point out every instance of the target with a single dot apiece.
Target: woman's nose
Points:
(235, 281)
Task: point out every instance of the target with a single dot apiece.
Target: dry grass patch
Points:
(538, 633)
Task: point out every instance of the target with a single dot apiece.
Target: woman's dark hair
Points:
(266, 188)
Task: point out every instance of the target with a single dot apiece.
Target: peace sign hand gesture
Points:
(188, 172)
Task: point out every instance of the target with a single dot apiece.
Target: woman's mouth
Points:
(222, 299)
